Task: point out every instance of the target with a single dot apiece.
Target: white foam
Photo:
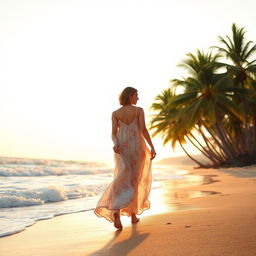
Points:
(39, 167)
(15, 198)
(16, 201)
(47, 171)
(12, 222)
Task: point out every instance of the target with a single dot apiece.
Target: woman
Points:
(129, 192)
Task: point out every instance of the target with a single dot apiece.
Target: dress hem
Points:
(121, 214)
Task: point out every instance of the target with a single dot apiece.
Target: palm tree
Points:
(216, 111)
(166, 121)
(205, 99)
(240, 52)
(205, 107)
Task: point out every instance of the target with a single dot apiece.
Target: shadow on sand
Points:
(122, 247)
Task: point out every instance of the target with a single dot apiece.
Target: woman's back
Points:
(127, 114)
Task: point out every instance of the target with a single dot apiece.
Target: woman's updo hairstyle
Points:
(124, 98)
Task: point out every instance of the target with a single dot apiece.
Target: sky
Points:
(63, 64)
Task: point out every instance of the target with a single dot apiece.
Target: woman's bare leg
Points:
(134, 218)
(117, 222)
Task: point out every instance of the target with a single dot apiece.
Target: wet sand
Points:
(216, 218)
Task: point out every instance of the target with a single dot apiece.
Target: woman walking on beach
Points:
(128, 193)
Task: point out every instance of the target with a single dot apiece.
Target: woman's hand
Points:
(116, 149)
(153, 153)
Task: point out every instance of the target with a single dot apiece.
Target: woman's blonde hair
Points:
(124, 98)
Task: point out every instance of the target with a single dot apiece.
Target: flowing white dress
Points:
(130, 189)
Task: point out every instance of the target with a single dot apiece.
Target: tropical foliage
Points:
(215, 106)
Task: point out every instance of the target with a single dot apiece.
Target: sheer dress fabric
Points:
(130, 189)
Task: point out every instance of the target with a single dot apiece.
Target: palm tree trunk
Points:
(203, 150)
(218, 142)
(239, 138)
(246, 121)
(211, 147)
(193, 159)
(226, 145)
(228, 139)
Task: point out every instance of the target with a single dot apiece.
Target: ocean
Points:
(39, 189)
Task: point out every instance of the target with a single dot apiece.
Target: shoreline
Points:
(94, 198)
(211, 226)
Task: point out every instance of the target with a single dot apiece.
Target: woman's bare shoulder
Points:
(116, 112)
(140, 109)
(135, 109)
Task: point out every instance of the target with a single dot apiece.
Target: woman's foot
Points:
(117, 222)
(134, 218)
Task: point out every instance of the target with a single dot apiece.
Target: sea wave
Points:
(48, 171)
(51, 162)
(45, 167)
(13, 198)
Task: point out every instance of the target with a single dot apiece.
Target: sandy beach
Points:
(220, 223)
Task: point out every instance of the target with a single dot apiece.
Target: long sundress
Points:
(130, 189)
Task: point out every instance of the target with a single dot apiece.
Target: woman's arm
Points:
(114, 133)
(145, 133)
